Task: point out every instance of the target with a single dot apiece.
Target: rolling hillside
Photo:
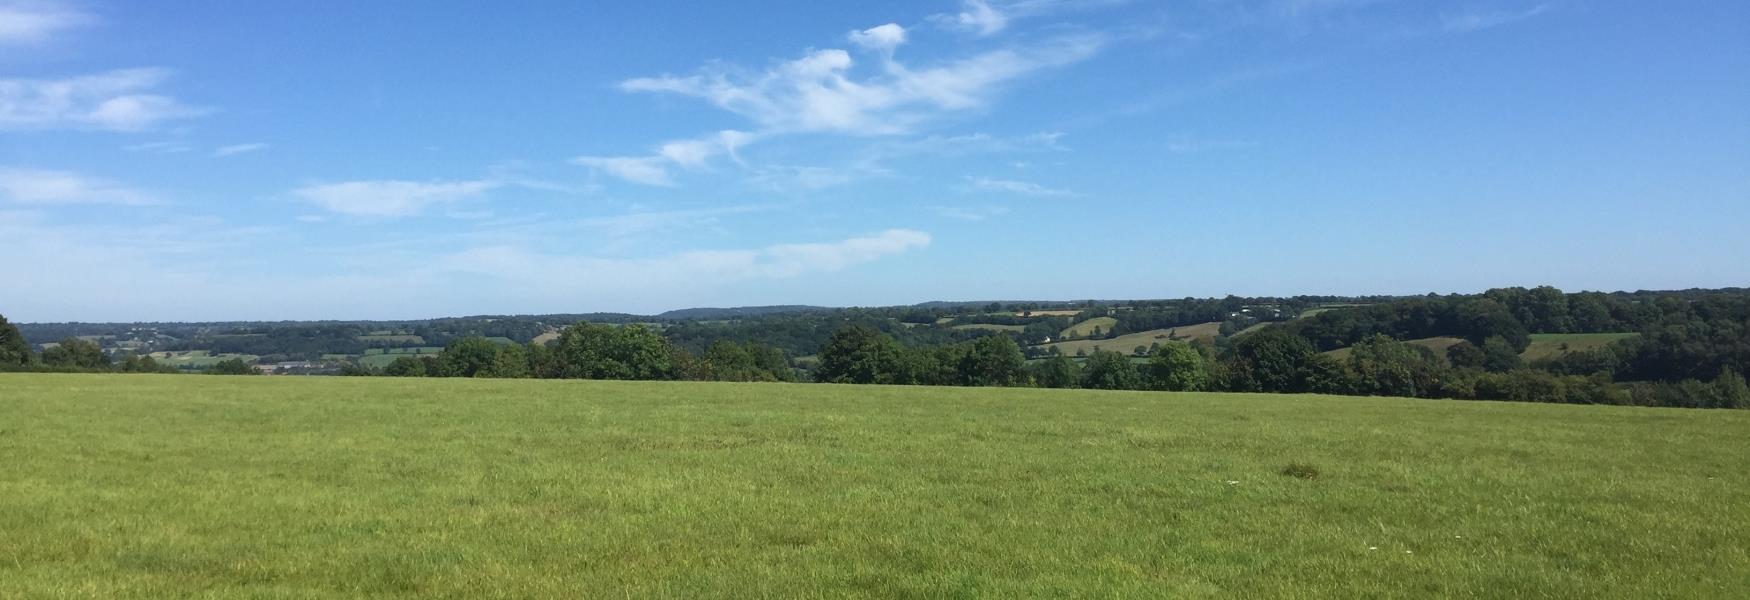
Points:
(1127, 343)
(1552, 345)
(1087, 327)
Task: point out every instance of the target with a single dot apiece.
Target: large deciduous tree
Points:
(1056, 372)
(588, 351)
(994, 360)
(233, 366)
(14, 351)
(471, 356)
(78, 353)
(1177, 367)
(1107, 370)
(859, 354)
(1270, 361)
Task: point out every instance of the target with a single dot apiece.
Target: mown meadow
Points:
(120, 486)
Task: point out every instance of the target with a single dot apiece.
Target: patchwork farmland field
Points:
(1325, 308)
(1437, 344)
(197, 359)
(1551, 345)
(1086, 328)
(1048, 313)
(180, 486)
(990, 327)
(1543, 345)
(387, 338)
(378, 358)
(1206, 332)
(1128, 342)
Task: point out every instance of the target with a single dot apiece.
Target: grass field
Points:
(392, 339)
(1324, 309)
(990, 327)
(1438, 344)
(1127, 343)
(197, 359)
(1207, 332)
(1551, 345)
(1086, 328)
(1048, 313)
(413, 350)
(1252, 328)
(308, 487)
(378, 358)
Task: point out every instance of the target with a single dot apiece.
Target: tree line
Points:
(1690, 349)
(75, 355)
(594, 351)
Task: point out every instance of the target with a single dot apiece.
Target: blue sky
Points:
(299, 160)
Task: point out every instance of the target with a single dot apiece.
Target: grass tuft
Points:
(1301, 471)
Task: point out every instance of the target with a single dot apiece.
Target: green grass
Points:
(413, 350)
(990, 327)
(121, 486)
(1201, 331)
(1048, 313)
(1324, 309)
(1086, 328)
(1551, 345)
(1252, 328)
(392, 338)
(1437, 344)
(1127, 343)
(378, 358)
(198, 359)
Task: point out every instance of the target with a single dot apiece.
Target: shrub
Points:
(233, 366)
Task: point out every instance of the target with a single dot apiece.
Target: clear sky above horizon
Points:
(349, 160)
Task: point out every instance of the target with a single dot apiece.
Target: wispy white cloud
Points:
(971, 143)
(689, 153)
(521, 174)
(390, 198)
(1188, 144)
(647, 170)
(985, 18)
(881, 38)
(642, 222)
(979, 16)
(827, 91)
(159, 147)
(971, 213)
(121, 100)
(27, 22)
(47, 187)
(1307, 8)
(819, 92)
(235, 149)
(1476, 20)
(516, 264)
(804, 178)
(1015, 187)
(78, 270)
(694, 153)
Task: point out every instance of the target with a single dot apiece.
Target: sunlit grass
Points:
(180, 486)
(1552, 345)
